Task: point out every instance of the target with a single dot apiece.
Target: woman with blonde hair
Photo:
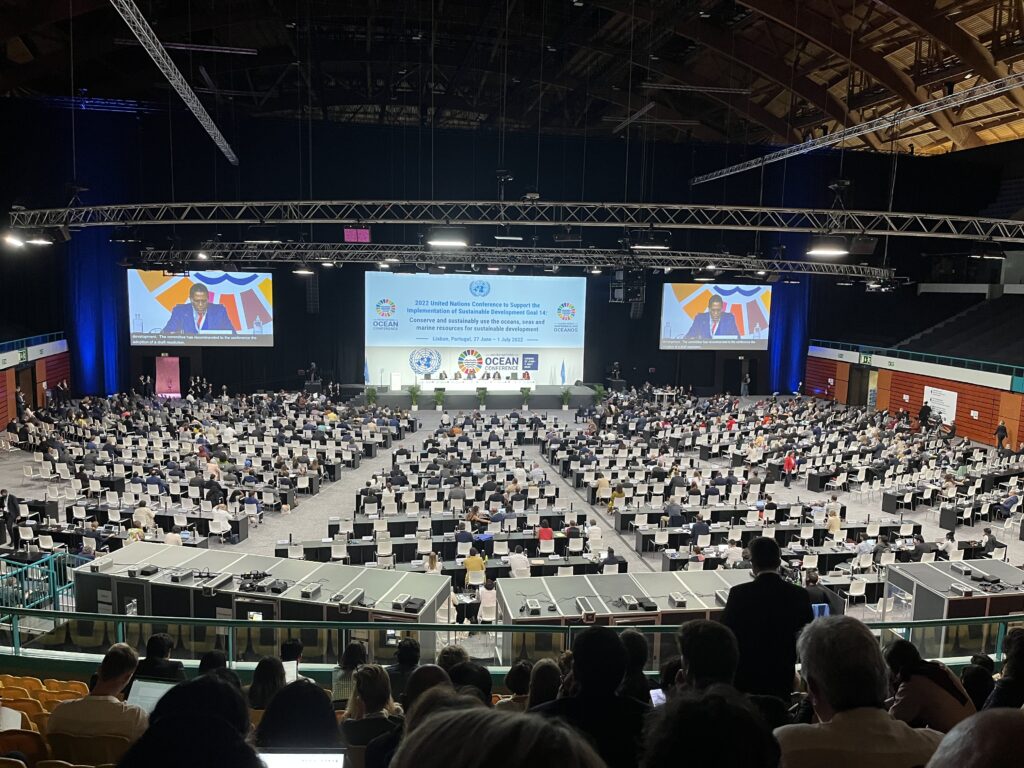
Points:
(371, 712)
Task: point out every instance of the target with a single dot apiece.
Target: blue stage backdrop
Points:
(787, 346)
(96, 295)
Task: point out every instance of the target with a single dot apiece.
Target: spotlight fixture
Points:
(761, 273)
(493, 269)
(303, 270)
(383, 265)
(711, 267)
(704, 279)
(987, 250)
(650, 240)
(566, 235)
(327, 264)
(447, 237)
(14, 240)
(595, 271)
(393, 260)
(828, 246)
(202, 256)
(844, 283)
(40, 240)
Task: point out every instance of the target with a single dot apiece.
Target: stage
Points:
(543, 396)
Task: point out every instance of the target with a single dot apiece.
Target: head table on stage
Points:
(472, 385)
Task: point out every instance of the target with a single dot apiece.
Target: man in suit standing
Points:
(9, 511)
(199, 314)
(713, 323)
(766, 615)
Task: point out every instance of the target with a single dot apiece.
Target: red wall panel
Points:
(816, 375)
(970, 397)
(7, 405)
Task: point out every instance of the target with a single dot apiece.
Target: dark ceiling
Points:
(745, 71)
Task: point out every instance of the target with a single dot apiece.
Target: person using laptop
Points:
(102, 712)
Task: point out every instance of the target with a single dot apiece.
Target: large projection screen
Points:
(469, 326)
(715, 316)
(201, 309)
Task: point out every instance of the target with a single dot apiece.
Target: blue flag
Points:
(563, 371)
(366, 372)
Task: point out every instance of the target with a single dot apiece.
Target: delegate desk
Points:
(407, 525)
(111, 589)
(498, 568)
(364, 550)
(784, 533)
(164, 519)
(924, 591)
(625, 517)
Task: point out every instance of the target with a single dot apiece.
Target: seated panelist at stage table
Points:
(198, 314)
(713, 323)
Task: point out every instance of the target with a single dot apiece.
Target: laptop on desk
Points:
(303, 758)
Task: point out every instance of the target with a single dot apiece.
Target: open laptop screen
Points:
(146, 693)
(319, 758)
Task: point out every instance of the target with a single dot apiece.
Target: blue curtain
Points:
(787, 346)
(97, 294)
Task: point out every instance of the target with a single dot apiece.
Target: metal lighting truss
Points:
(888, 122)
(533, 213)
(482, 257)
(140, 28)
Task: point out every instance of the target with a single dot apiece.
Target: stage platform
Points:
(544, 396)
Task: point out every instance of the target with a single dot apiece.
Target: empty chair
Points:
(575, 546)
(704, 541)
(462, 548)
(661, 538)
(927, 557)
(547, 546)
(808, 562)
(501, 546)
(476, 578)
(610, 568)
(339, 552)
(858, 591)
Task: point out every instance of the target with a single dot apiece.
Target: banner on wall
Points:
(168, 377)
(472, 326)
(942, 402)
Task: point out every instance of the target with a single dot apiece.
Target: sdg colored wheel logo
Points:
(424, 361)
(386, 308)
(470, 361)
(566, 311)
(479, 288)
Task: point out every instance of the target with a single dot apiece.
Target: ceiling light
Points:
(493, 269)
(761, 272)
(302, 270)
(383, 265)
(595, 271)
(710, 267)
(202, 256)
(327, 264)
(828, 246)
(40, 240)
(703, 279)
(393, 260)
(13, 240)
(844, 283)
(650, 240)
(447, 237)
(504, 233)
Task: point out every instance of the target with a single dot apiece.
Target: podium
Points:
(396, 382)
(616, 385)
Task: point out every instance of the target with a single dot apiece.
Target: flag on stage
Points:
(563, 371)
(366, 372)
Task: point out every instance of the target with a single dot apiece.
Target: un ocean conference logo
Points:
(479, 288)
(424, 361)
(566, 311)
(386, 308)
(470, 361)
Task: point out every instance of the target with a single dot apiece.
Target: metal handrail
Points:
(924, 357)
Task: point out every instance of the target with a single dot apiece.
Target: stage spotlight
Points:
(828, 245)
(202, 256)
(595, 271)
(40, 240)
(761, 273)
(447, 237)
(383, 265)
(567, 236)
(493, 269)
(327, 264)
(14, 240)
(650, 240)
(303, 270)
